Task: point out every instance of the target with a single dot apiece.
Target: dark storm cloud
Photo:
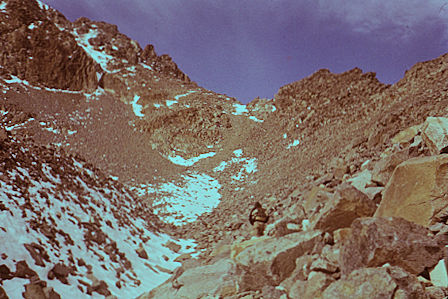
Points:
(250, 48)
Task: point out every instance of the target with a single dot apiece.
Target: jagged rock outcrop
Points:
(36, 50)
(107, 39)
(310, 99)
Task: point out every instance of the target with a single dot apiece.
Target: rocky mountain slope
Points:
(69, 230)
(112, 158)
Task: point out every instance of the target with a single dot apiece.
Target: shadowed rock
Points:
(345, 206)
(396, 241)
(36, 50)
(271, 260)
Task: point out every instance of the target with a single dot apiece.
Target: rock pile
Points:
(344, 252)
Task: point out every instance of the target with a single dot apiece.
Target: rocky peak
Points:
(36, 50)
(72, 55)
(149, 53)
(106, 38)
(324, 87)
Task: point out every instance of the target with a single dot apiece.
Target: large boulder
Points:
(313, 287)
(316, 198)
(416, 190)
(435, 133)
(406, 136)
(385, 282)
(346, 205)
(383, 169)
(272, 260)
(396, 241)
(215, 280)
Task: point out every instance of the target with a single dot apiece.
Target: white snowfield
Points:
(182, 200)
(247, 165)
(2, 7)
(293, 144)
(184, 95)
(137, 108)
(170, 102)
(73, 218)
(191, 161)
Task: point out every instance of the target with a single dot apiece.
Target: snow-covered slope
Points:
(64, 222)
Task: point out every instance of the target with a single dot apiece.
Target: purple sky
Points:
(250, 48)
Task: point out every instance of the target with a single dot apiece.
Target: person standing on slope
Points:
(258, 219)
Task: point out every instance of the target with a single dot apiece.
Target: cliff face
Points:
(36, 50)
(41, 46)
(102, 137)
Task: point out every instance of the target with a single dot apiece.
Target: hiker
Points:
(258, 219)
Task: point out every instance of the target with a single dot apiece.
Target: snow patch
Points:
(256, 119)
(17, 80)
(170, 102)
(42, 5)
(189, 162)
(18, 125)
(146, 66)
(242, 110)
(247, 165)
(3, 7)
(137, 107)
(94, 95)
(184, 95)
(238, 153)
(293, 144)
(100, 57)
(182, 201)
